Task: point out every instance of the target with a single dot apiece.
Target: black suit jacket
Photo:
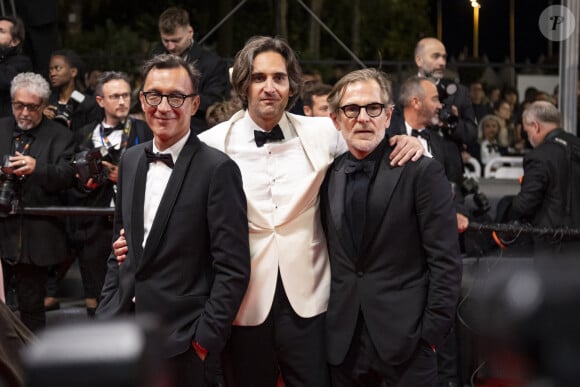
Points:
(43, 237)
(443, 150)
(11, 64)
(194, 269)
(214, 85)
(406, 279)
(550, 192)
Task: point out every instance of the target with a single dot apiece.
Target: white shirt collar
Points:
(175, 149)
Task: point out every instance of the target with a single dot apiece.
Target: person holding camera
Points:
(100, 145)
(67, 105)
(458, 121)
(36, 169)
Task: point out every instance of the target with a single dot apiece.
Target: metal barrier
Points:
(58, 210)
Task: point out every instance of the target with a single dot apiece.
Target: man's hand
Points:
(22, 165)
(462, 223)
(113, 171)
(406, 148)
(50, 111)
(120, 248)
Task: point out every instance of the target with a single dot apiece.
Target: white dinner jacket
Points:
(296, 244)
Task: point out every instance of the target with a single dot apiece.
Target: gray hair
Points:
(362, 75)
(542, 111)
(32, 82)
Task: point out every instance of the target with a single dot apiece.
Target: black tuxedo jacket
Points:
(43, 237)
(194, 268)
(406, 279)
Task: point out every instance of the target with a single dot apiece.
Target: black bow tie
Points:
(163, 157)
(492, 148)
(421, 133)
(109, 130)
(263, 137)
(354, 166)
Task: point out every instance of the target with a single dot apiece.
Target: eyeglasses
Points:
(19, 106)
(115, 97)
(373, 109)
(174, 100)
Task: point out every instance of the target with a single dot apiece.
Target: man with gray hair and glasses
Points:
(36, 168)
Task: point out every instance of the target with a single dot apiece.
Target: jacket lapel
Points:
(336, 190)
(170, 195)
(137, 202)
(379, 198)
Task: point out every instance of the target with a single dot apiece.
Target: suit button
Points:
(359, 273)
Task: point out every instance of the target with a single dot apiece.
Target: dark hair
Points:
(168, 61)
(314, 89)
(244, 61)
(358, 76)
(74, 61)
(412, 87)
(172, 18)
(17, 31)
(108, 76)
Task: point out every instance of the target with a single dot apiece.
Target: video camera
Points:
(64, 116)
(10, 188)
(446, 88)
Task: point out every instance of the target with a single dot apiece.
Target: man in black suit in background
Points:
(110, 137)
(177, 36)
(183, 209)
(550, 192)
(394, 256)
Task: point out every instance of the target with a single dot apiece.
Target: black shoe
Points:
(91, 312)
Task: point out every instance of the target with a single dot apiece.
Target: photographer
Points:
(67, 104)
(458, 121)
(100, 145)
(36, 168)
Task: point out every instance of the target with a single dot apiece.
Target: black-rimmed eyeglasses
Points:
(18, 106)
(373, 109)
(174, 100)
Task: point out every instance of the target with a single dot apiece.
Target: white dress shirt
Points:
(158, 175)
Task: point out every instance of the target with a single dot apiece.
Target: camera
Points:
(446, 88)
(10, 188)
(89, 164)
(469, 186)
(64, 116)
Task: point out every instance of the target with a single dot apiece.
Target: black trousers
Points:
(96, 234)
(188, 370)
(285, 344)
(362, 366)
(30, 283)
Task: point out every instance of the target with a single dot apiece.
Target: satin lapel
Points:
(310, 143)
(170, 195)
(336, 189)
(379, 198)
(137, 203)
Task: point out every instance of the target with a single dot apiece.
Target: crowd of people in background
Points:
(64, 139)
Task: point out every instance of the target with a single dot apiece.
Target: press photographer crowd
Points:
(260, 227)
